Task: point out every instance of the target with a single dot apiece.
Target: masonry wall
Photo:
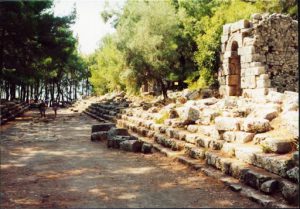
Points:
(268, 53)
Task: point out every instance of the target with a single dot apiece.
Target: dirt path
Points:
(55, 165)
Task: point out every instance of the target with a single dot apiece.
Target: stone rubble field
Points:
(253, 142)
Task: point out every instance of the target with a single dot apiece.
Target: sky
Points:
(89, 27)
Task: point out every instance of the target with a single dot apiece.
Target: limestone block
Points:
(256, 125)
(131, 145)
(224, 38)
(227, 124)
(278, 145)
(99, 136)
(267, 113)
(290, 119)
(188, 113)
(293, 174)
(232, 80)
(248, 82)
(275, 97)
(269, 186)
(191, 138)
(254, 93)
(209, 131)
(238, 136)
(263, 83)
(146, 148)
(247, 50)
(229, 148)
(226, 28)
(290, 191)
(192, 128)
(247, 153)
(253, 71)
(240, 25)
(102, 127)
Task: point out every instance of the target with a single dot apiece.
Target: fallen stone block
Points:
(254, 179)
(131, 145)
(256, 125)
(99, 136)
(188, 114)
(102, 127)
(268, 114)
(238, 136)
(277, 145)
(293, 174)
(116, 140)
(146, 148)
(227, 124)
(269, 186)
(290, 191)
(117, 132)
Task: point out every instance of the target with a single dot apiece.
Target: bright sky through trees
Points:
(89, 26)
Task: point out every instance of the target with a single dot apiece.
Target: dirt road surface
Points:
(53, 164)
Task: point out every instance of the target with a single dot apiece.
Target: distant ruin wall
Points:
(258, 55)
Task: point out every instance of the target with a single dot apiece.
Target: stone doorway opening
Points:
(234, 75)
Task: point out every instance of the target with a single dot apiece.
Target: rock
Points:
(256, 16)
(99, 136)
(227, 124)
(278, 145)
(209, 131)
(275, 97)
(238, 136)
(181, 100)
(146, 148)
(247, 153)
(117, 131)
(131, 145)
(114, 142)
(188, 114)
(290, 120)
(290, 191)
(269, 186)
(153, 110)
(102, 127)
(256, 125)
(254, 179)
(268, 114)
(293, 174)
(173, 114)
(209, 101)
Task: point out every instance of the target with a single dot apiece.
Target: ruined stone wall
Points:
(267, 50)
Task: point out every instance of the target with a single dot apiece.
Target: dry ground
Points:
(53, 164)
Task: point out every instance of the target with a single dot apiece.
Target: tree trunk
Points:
(12, 91)
(163, 89)
(7, 90)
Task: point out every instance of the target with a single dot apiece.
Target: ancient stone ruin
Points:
(259, 55)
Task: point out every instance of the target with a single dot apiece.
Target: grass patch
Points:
(162, 118)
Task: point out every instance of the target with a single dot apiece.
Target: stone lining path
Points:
(53, 164)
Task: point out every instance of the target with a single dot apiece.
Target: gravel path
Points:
(53, 164)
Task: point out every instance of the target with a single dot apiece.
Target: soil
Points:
(51, 163)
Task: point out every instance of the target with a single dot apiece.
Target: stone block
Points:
(254, 179)
(290, 120)
(188, 113)
(278, 145)
(196, 153)
(131, 145)
(99, 136)
(248, 82)
(268, 114)
(290, 191)
(256, 125)
(117, 132)
(253, 71)
(191, 138)
(263, 83)
(226, 29)
(192, 128)
(209, 131)
(238, 136)
(275, 97)
(229, 148)
(254, 93)
(146, 148)
(227, 124)
(239, 25)
(247, 153)
(293, 174)
(224, 38)
(102, 127)
(269, 186)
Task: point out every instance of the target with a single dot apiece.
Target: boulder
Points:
(268, 114)
(102, 127)
(131, 145)
(254, 179)
(188, 114)
(99, 136)
(256, 125)
(227, 124)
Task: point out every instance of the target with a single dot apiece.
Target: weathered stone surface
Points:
(192, 128)
(102, 127)
(290, 120)
(99, 136)
(275, 97)
(146, 148)
(114, 142)
(229, 148)
(256, 125)
(247, 153)
(277, 145)
(181, 100)
(269, 186)
(296, 158)
(117, 131)
(238, 136)
(268, 114)
(193, 95)
(188, 113)
(290, 191)
(254, 179)
(210, 131)
(131, 145)
(191, 138)
(227, 124)
(293, 174)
